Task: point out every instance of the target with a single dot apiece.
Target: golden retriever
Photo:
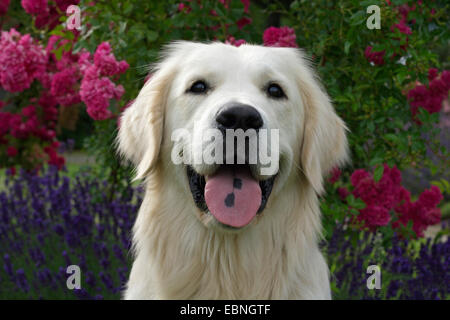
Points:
(192, 239)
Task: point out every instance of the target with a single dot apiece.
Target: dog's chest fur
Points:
(179, 258)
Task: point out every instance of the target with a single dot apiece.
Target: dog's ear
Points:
(141, 124)
(324, 141)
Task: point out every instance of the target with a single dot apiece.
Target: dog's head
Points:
(231, 125)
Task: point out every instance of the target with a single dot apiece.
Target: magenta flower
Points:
(96, 92)
(4, 4)
(388, 197)
(234, 42)
(21, 61)
(106, 62)
(377, 57)
(64, 86)
(430, 98)
(279, 37)
(64, 4)
(35, 7)
(11, 151)
(96, 88)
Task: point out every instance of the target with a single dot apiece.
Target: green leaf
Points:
(391, 137)
(375, 161)
(358, 18)
(378, 173)
(151, 35)
(347, 46)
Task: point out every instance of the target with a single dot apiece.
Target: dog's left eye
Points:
(198, 87)
(275, 91)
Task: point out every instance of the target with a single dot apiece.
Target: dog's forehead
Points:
(251, 58)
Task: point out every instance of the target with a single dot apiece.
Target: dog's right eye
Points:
(198, 87)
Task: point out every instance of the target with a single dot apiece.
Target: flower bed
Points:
(49, 222)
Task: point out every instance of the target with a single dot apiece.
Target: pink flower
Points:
(423, 212)
(234, 42)
(64, 86)
(279, 37)
(243, 22)
(402, 27)
(21, 61)
(4, 4)
(343, 193)
(388, 196)
(430, 98)
(246, 4)
(11, 151)
(64, 4)
(29, 111)
(35, 7)
(54, 159)
(183, 7)
(375, 216)
(358, 176)
(445, 76)
(377, 57)
(335, 175)
(96, 92)
(12, 171)
(48, 19)
(432, 73)
(106, 62)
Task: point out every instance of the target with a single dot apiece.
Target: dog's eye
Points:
(198, 87)
(275, 91)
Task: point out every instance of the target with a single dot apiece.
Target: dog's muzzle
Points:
(232, 194)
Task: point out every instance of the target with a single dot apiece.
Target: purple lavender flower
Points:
(21, 280)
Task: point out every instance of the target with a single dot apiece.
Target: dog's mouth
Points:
(231, 194)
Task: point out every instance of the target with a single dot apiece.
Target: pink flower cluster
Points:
(83, 77)
(21, 61)
(388, 199)
(64, 74)
(279, 37)
(422, 212)
(4, 4)
(35, 123)
(403, 11)
(45, 14)
(96, 88)
(430, 97)
(29, 136)
(377, 57)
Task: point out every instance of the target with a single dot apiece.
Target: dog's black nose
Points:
(239, 116)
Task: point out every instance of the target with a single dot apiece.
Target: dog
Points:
(220, 230)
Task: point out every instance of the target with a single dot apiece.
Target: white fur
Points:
(179, 252)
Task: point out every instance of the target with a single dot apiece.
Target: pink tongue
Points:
(233, 196)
